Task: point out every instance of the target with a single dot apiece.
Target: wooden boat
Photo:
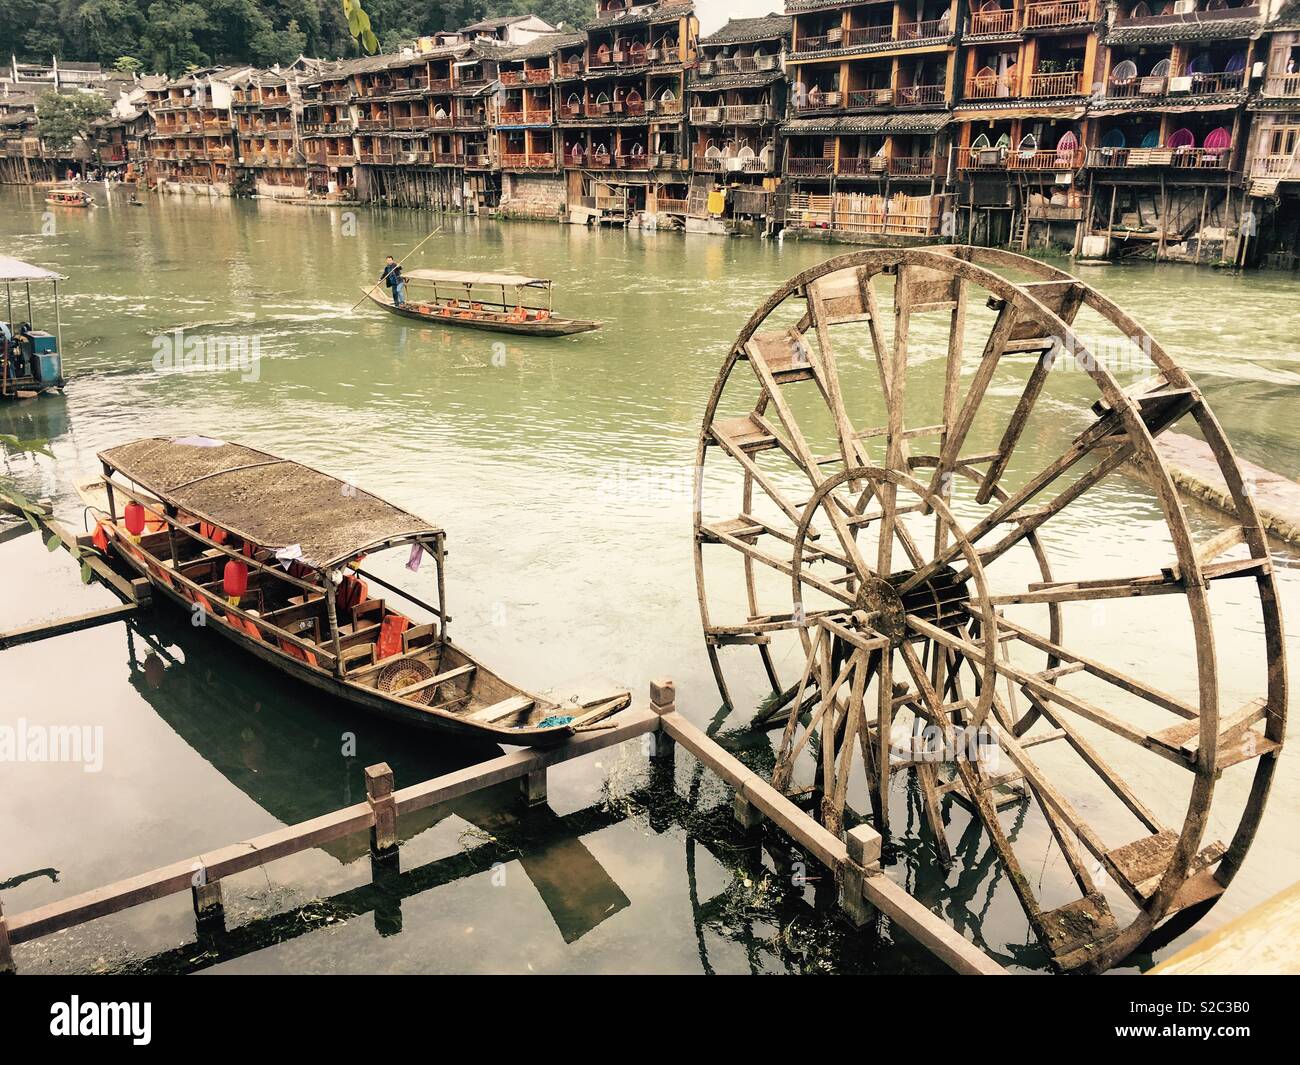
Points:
(481, 301)
(39, 368)
(68, 197)
(268, 553)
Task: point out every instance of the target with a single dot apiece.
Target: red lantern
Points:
(234, 580)
(134, 518)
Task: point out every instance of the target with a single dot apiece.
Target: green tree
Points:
(127, 64)
(62, 119)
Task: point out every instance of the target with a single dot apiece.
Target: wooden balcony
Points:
(818, 167)
(991, 88)
(664, 205)
(1275, 167)
(538, 76)
(440, 85)
(1045, 14)
(528, 160)
(994, 22)
(746, 64)
(1174, 158)
(1282, 85)
(1020, 159)
(906, 96)
(824, 101)
(632, 162)
(1069, 83)
(736, 114)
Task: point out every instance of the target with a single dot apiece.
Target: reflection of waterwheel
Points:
(908, 576)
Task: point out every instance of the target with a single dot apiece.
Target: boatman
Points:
(392, 277)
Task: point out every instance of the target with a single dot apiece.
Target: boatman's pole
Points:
(399, 263)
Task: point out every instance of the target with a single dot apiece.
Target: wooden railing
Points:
(745, 64)
(665, 205)
(527, 160)
(1282, 85)
(1007, 21)
(735, 113)
(991, 88)
(1020, 158)
(919, 95)
(1069, 83)
(815, 167)
(1177, 158)
(632, 162)
(1046, 13)
(826, 101)
(538, 75)
(1275, 166)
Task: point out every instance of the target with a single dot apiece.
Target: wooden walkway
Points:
(1194, 470)
(854, 862)
(1264, 941)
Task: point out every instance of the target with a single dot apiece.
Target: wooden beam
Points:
(45, 629)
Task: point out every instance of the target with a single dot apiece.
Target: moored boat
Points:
(267, 552)
(30, 359)
(500, 303)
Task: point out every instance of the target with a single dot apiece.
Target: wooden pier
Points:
(1264, 941)
(854, 862)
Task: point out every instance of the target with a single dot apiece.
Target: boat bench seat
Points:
(366, 634)
(418, 636)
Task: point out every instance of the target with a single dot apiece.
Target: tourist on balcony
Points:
(392, 277)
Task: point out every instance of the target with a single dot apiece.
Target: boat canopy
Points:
(16, 272)
(469, 277)
(273, 502)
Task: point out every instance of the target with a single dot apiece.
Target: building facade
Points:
(1167, 129)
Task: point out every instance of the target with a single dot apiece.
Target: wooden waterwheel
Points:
(925, 496)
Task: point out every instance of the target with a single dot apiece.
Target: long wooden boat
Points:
(267, 553)
(481, 301)
(68, 197)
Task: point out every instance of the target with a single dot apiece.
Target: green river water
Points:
(561, 472)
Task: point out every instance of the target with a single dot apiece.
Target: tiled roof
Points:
(742, 30)
(735, 81)
(1212, 29)
(923, 122)
(641, 16)
(544, 45)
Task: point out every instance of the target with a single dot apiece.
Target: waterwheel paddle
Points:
(950, 604)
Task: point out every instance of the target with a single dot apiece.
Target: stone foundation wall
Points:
(539, 196)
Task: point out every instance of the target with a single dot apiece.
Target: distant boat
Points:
(269, 552)
(69, 197)
(482, 301)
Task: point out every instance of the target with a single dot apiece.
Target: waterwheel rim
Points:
(1163, 870)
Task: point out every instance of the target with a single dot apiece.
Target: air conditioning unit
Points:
(706, 67)
(834, 35)
(651, 106)
(1183, 84)
(1184, 7)
(713, 114)
(734, 164)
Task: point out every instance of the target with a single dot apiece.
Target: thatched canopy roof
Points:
(271, 501)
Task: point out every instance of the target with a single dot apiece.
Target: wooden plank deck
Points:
(1194, 470)
(1264, 941)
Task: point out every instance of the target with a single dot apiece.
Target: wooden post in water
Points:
(208, 907)
(532, 787)
(379, 793)
(663, 700)
(6, 952)
(863, 861)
